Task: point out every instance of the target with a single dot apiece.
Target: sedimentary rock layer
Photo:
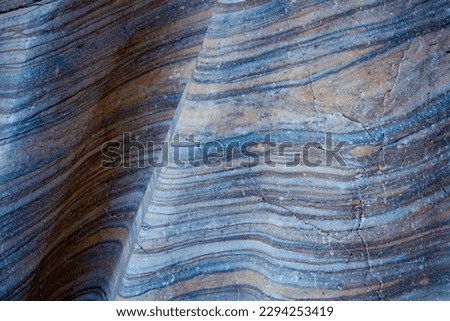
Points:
(375, 75)
(73, 76)
(368, 79)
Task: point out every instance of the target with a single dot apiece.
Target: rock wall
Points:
(75, 75)
(368, 79)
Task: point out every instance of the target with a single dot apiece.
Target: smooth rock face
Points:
(73, 76)
(372, 224)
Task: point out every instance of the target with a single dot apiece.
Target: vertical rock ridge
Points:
(374, 228)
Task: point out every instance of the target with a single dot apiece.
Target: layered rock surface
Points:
(76, 75)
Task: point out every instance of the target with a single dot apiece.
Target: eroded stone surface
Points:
(74, 75)
(375, 74)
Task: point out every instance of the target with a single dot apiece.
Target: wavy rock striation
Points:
(367, 79)
(375, 75)
(74, 75)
